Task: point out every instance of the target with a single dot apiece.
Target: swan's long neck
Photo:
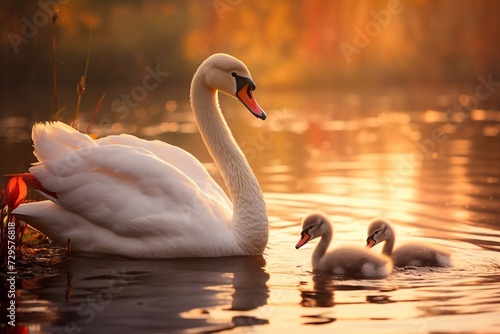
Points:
(249, 221)
(321, 248)
(389, 243)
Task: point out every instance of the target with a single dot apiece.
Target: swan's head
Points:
(229, 75)
(379, 230)
(313, 226)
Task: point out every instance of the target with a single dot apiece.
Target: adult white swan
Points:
(148, 199)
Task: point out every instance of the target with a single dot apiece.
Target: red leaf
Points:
(15, 192)
(33, 182)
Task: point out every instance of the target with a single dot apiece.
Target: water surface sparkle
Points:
(446, 193)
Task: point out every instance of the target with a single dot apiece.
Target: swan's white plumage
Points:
(175, 156)
(413, 253)
(128, 196)
(345, 260)
(130, 192)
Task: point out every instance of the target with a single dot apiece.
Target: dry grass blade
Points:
(55, 14)
(80, 87)
(96, 110)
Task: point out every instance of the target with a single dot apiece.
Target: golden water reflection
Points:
(352, 168)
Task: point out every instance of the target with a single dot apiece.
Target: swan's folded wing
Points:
(176, 157)
(130, 191)
(56, 140)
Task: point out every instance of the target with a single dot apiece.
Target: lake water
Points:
(436, 174)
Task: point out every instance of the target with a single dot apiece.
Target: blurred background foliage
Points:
(288, 44)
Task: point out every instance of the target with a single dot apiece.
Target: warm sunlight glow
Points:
(116, 127)
(140, 113)
(171, 106)
(178, 218)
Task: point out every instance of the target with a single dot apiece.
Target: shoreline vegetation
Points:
(326, 43)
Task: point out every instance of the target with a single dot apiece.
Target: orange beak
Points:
(304, 238)
(244, 92)
(370, 242)
(245, 95)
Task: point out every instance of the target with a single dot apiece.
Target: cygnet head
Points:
(379, 230)
(229, 75)
(313, 226)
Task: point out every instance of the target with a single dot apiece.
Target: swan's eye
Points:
(234, 74)
(314, 226)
